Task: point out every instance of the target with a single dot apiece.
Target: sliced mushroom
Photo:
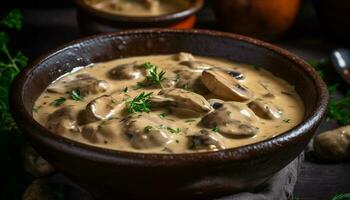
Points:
(232, 119)
(181, 99)
(196, 65)
(145, 132)
(102, 132)
(127, 71)
(63, 121)
(82, 82)
(225, 86)
(216, 103)
(152, 5)
(183, 56)
(190, 80)
(265, 109)
(236, 75)
(34, 163)
(205, 140)
(101, 108)
(333, 145)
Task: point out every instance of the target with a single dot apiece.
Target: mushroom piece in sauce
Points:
(85, 83)
(190, 80)
(265, 109)
(225, 86)
(38, 189)
(63, 121)
(101, 108)
(196, 65)
(103, 132)
(232, 119)
(205, 140)
(183, 56)
(181, 99)
(129, 71)
(333, 145)
(145, 132)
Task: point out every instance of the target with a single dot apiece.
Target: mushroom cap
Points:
(130, 71)
(265, 109)
(232, 119)
(63, 120)
(196, 65)
(205, 140)
(180, 98)
(333, 145)
(225, 86)
(102, 108)
(184, 56)
(142, 137)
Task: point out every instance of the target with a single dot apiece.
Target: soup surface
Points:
(140, 7)
(177, 103)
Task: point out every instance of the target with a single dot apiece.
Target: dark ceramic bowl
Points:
(92, 21)
(168, 176)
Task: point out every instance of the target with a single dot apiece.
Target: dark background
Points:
(48, 24)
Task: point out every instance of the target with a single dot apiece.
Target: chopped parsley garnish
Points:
(75, 94)
(148, 65)
(36, 109)
(140, 103)
(177, 141)
(286, 120)
(215, 129)
(162, 115)
(147, 129)
(126, 89)
(58, 101)
(154, 77)
(171, 130)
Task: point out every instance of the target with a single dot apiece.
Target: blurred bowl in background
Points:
(335, 17)
(263, 19)
(93, 21)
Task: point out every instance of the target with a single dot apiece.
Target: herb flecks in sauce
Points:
(140, 103)
(151, 118)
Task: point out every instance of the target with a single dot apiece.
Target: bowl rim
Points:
(246, 152)
(196, 6)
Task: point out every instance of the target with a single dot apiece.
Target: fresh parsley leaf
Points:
(58, 101)
(147, 129)
(140, 103)
(148, 65)
(162, 115)
(171, 130)
(13, 20)
(75, 94)
(341, 197)
(286, 120)
(126, 89)
(154, 77)
(215, 129)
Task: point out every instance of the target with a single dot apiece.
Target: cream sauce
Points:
(166, 128)
(139, 7)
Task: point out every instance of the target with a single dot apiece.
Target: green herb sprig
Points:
(338, 109)
(76, 95)
(58, 101)
(154, 77)
(140, 103)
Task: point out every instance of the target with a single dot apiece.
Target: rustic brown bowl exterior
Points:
(110, 173)
(93, 21)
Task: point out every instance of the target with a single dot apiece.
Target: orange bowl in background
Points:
(263, 19)
(93, 21)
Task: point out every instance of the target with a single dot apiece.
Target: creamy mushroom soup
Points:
(169, 104)
(139, 7)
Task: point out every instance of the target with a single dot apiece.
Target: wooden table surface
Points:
(45, 29)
